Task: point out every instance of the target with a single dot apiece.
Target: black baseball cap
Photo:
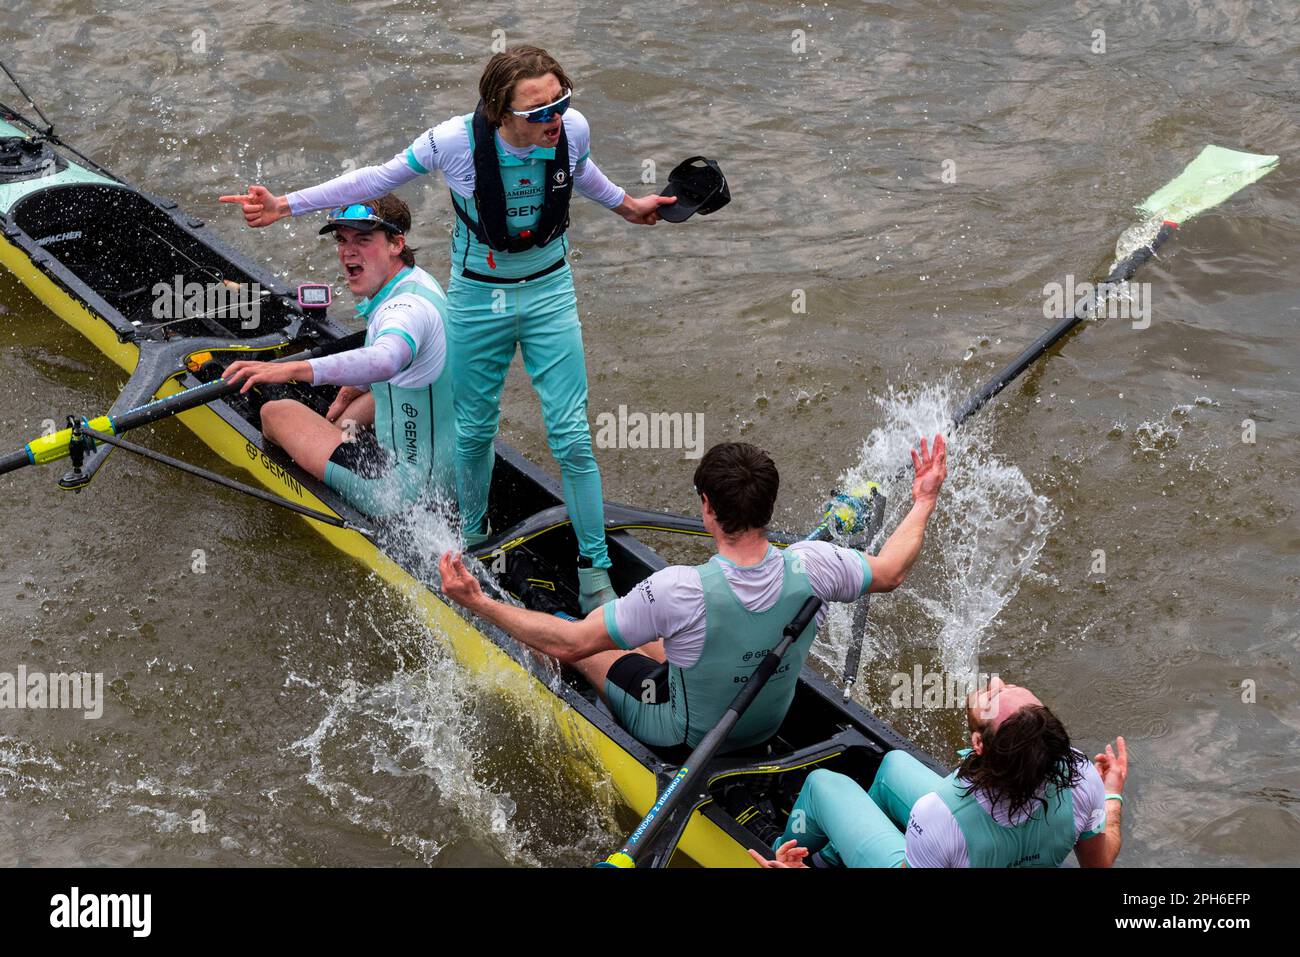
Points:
(699, 186)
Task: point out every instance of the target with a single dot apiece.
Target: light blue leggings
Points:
(486, 323)
(848, 826)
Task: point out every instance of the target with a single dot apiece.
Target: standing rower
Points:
(388, 439)
(511, 167)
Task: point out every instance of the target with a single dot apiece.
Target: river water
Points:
(906, 179)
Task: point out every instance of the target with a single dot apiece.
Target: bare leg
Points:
(654, 650)
(302, 432)
(361, 411)
(595, 668)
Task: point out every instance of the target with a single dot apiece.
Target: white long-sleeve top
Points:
(446, 148)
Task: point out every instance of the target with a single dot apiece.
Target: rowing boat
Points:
(93, 249)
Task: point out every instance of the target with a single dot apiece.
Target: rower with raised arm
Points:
(669, 656)
(1021, 797)
(388, 440)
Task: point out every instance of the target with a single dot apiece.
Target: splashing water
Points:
(420, 535)
(1138, 235)
(985, 536)
(384, 733)
(418, 757)
(408, 732)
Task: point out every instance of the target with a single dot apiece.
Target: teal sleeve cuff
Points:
(409, 341)
(414, 163)
(611, 625)
(866, 574)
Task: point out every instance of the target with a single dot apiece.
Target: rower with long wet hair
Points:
(511, 167)
(1021, 797)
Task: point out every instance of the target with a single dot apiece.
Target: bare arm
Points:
(890, 567)
(567, 640)
(1102, 849)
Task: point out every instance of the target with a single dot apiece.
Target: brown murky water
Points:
(913, 179)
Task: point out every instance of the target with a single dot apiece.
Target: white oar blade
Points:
(1208, 180)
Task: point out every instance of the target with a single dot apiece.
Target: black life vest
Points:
(490, 194)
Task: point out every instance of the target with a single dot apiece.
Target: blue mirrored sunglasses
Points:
(544, 114)
(360, 213)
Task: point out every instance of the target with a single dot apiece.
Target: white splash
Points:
(985, 536)
(417, 756)
(1138, 235)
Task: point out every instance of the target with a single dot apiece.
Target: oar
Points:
(854, 517)
(1214, 176)
(846, 515)
(672, 808)
(51, 448)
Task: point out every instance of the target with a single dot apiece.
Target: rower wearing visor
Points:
(511, 166)
(388, 439)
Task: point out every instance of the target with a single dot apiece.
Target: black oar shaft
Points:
(681, 787)
(1086, 307)
(216, 479)
(766, 668)
(14, 461)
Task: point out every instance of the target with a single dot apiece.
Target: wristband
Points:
(1115, 797)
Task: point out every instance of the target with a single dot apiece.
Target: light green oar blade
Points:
(1208, 180)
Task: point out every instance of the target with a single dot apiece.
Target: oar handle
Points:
(158, 409)
(807, 612)
(14, 461)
